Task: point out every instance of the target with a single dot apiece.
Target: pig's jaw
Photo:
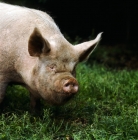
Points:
(56, 97)
(59, 98)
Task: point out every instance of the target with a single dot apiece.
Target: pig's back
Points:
(16, 25)
(26, 17)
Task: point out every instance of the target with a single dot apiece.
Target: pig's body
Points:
(34, 53)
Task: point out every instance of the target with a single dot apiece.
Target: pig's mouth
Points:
(60, 98)
(57, 98)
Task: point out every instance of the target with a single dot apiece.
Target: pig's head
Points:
(54, 74)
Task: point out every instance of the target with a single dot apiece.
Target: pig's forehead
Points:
(59, 42)
(62, 48)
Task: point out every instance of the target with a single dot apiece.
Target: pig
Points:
(35, 54)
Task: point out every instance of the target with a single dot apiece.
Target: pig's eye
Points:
(52, 67)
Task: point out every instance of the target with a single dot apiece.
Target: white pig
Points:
(35, 54)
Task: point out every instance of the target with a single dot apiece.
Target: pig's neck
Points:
(25, 69)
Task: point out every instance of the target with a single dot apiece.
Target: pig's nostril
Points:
(70, 86)
(66, 85)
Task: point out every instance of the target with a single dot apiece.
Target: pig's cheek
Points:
(57, 86)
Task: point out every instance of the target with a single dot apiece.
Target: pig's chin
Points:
(57, 98)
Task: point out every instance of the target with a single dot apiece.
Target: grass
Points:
(106, 108)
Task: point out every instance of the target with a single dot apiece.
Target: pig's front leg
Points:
(3, 86)
(35, 104)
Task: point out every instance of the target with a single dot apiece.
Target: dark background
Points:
(81, 20)
(117, 19)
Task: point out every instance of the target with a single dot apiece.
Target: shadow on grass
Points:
(116, 57)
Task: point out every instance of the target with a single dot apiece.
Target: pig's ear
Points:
(85, 49)
(37, 44)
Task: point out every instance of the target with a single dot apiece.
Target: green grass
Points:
(106, 108)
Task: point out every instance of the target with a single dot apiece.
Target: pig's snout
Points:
(67, 85)
(70, 86)
(65, 88)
